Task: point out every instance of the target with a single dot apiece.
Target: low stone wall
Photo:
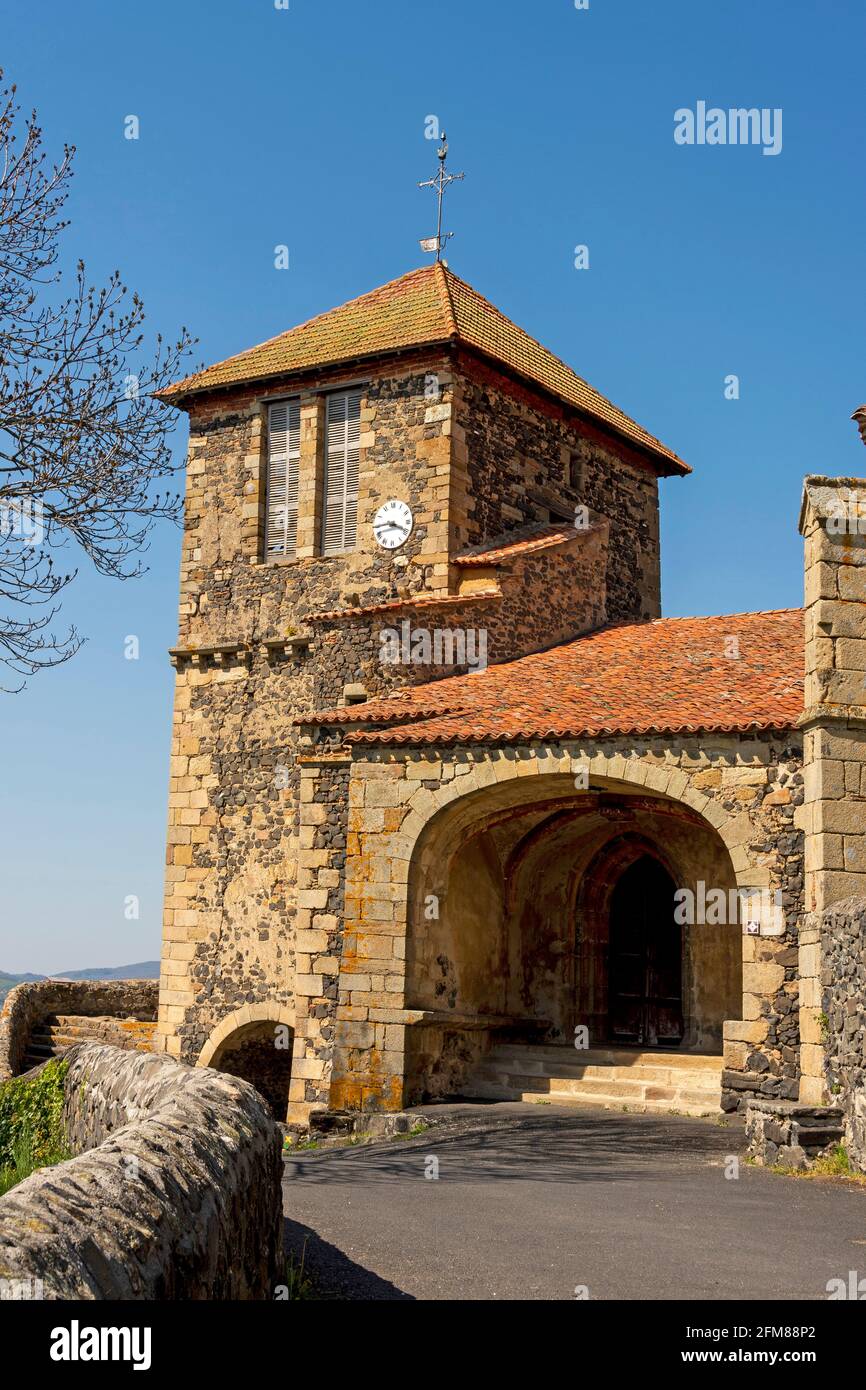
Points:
(843, 1016)
(174, 1193)
(783, 1133)
(30, 1004)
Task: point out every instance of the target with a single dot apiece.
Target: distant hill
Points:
(143, 970)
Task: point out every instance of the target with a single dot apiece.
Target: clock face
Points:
(392, 524)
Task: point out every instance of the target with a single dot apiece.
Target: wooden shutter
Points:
(342, 470)
(284, 451)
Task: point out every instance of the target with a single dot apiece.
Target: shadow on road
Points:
(333, 1274)
(551, 1149)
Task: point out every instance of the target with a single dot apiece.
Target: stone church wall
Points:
(231, 871)
(523, 456)
(235, 876)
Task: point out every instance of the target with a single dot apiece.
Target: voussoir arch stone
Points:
(238, 1022)
(497, 770)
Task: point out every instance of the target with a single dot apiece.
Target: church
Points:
(454, 810)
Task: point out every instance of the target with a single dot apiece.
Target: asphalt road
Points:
(532, 1202)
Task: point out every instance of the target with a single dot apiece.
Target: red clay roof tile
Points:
(493, 552)
(672, 675)
(428, 306)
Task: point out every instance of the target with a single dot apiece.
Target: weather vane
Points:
(440, 183)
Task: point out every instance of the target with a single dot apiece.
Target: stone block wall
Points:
(748, 789)
(526, 459)
(28, 1005)
(174, 1193)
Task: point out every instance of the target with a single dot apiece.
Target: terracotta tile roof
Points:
(396, 605)
(428, 306)
(668, 676)
(523, 543)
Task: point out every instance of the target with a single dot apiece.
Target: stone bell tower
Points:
(361, 471)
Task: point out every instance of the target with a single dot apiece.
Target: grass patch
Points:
(31, 1131)
(835, 1164)
(24, 1162)
(411, 1133)
(298, 1286)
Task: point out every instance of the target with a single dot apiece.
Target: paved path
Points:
(533, 1201)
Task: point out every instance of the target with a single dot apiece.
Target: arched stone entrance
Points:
(255, 1044)
(462, 875)
(511, 897)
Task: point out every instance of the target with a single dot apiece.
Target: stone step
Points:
(609, 1086)
(620, 1056)
(680, 1102)
(614, 1078)
(661, 1076)
(54, 1034)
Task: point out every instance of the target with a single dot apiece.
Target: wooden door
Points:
(645, 1004)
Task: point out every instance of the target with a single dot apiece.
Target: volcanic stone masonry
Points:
(305, 841)
(252, 656)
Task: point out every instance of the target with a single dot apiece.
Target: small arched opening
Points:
(261, 1053)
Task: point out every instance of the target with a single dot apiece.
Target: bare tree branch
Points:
(83, 438)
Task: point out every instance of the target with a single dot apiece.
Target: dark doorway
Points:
(261, 1054)
(645, 1000)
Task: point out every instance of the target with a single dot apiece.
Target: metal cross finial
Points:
(440, 183)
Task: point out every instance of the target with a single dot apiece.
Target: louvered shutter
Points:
(284, 451)
(342, 470)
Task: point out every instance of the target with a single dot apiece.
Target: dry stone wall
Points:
(29, 1005)
(842, 945)
(174, 1192)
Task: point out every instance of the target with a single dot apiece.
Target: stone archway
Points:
(422, 995)
(515, 873)
(592, 919)
(255, 1044)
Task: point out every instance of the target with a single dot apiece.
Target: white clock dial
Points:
(392, 524)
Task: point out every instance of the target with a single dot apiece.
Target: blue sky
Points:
(305, 127)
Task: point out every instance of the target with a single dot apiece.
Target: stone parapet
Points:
(174, 1192)
(33, 1002)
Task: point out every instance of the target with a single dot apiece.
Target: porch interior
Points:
(544, 959)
